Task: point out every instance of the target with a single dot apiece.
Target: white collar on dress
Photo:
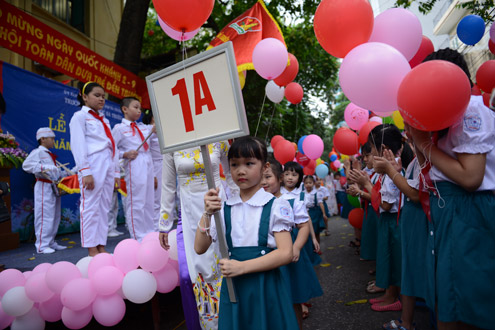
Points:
(127, 122)
(260, 198)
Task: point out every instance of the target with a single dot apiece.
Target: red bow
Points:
(108, 132)
(53, 156)
(376, 196)
(135, 127)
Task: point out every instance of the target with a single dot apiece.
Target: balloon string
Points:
(261, 113)
(270, 123)
(295, 133)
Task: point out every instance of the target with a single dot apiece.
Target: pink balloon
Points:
(400, 29)
(176, 35)
(5, 319)
(10, 278)
(36, 288)
(174, 264)
(492, 32)
(100, 260)
(78, 294)
(355, 116)
(270, 58)
(42, 268)
(151, 256)
(27, 274)
(109, 310)
(77, 319)
(336, 163)
(107, 280)
(384, 114)
(370, 76)
(166, 279)
(60, 274)
(153, 236)
(125, 255)
(313, 146)
(51, 310)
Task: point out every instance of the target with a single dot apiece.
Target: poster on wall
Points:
(33, 102)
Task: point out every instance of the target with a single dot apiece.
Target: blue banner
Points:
(33, 102)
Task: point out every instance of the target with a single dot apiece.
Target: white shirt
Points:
(40, 160)
(246, 218)
(126, 140)
(309, 198)
(324, 191)
(299, 209)
(154, 143)
(474, 133)
(415, 168)
(390, 194)
(88, 137)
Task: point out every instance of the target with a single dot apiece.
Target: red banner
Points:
(246, 31)
(29, 37)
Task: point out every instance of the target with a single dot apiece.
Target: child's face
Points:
(309, 184)
(317, 184)
(246, 172)
(95, 99)
(48, 142)
(290, 179)
(133, 111)
(368, 160)
(270, 182)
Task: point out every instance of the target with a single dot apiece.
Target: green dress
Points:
(263, 301)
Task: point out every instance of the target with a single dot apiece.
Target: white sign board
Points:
(198, 101)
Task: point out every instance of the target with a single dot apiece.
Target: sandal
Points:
(376, 300)
(396, 306)
(305, 311)
(372, 288)
(370, 282)
(393, 325)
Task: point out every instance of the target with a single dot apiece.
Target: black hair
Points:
(3, 105)
(147, 117)
(86, 88)
(309, 177)
(295, 167)
(276, 167)
(337, 173)
(247, 147)
(126, 101)
(390, 136)
(452, 56)
(366, 148)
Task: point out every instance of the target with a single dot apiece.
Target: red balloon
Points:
(486, 99)
(364, 132)
(294, 93)
(276, 139)
(311, 164)
(284, 152)
(346, 141)
(485, 77)
(434, 95)
(425, 49)
(356, 218)
(341, 25)
(491, 46)
(302, 159)
(475, 90)
(343, 180)
(308, 171)
(184, 15)
(289, 73)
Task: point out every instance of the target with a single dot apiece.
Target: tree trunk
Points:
(130, 39)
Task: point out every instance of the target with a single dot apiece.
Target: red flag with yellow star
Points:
(246, 31)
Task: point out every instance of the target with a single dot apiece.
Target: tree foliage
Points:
(483, 8)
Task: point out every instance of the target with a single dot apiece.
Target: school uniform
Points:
(300, 276)
(95, 154)
(139, 178)
(389, 251)
(311, 201)
(414, 240)
(462, 240)
(325, 193)
(263, 298)
(157, 159)
(46, 204)
(369, 231)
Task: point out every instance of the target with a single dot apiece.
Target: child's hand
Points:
(163, 237)
(231, 267)
(389, 155)
(295, 254)
(131, 155)
(88, 182)
(153, 129)
(317, 245)
(325, 217)
(156, 183)
(116, 183)
(213, 203)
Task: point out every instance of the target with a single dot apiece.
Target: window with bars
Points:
(69, 11)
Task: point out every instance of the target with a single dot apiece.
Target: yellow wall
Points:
(102, 23)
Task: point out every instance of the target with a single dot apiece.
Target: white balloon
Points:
(83, 265)
(172, 241)
(30, 321)
(377, 119)
(139, 286)
(274, 92)
(15, 302)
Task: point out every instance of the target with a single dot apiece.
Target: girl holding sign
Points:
(257, 229)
